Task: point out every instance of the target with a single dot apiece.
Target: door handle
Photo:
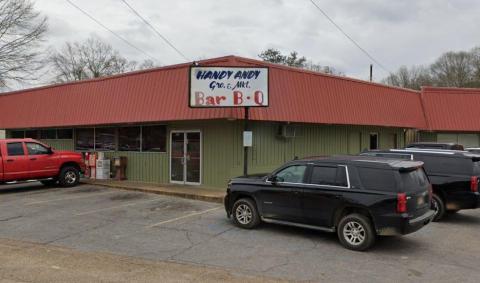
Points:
(10, 160)
(33, 158)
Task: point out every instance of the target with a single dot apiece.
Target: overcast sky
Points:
(395, 32)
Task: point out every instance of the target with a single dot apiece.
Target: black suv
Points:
(359, 197)
(453, 174)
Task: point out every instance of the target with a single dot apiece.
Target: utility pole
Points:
(245, 148)
(371, 72)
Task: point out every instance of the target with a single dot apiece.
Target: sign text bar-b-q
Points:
(228, 87)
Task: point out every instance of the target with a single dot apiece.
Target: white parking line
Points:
(185, 216)
(70, 198)
(117, 206)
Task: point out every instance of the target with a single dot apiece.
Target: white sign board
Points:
(228, 87)
(247, 139)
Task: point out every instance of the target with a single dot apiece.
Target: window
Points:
(292, 174)
(15, 149)
(129, 139)
(65, 134)
(105, 139)
(48, 134)
(415, 180)
(36, 149)
(373, 141)
(84, 139)
(32, 134)
(154, 138)
(377, 179)
(329, 175)
(17, 134)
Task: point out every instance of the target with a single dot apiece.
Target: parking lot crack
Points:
(11, 218)
(79, 232)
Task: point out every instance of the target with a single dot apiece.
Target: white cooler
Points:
(103, 169)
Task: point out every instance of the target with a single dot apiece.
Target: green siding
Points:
(427, 137)
(269, 151)
(145, 167)
(465, 139)
(222, 150)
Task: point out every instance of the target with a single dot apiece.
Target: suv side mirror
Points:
(50, 150)
(275, 179)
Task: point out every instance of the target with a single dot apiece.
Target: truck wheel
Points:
(439, 207)
(245, 213)
(49, 183)
(69, 176)
(355, 232)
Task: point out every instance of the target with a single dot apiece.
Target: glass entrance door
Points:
(185, 157)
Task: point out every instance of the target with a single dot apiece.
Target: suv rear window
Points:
(415, 180)
(377, 179)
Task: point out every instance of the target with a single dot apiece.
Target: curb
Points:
(214, 199)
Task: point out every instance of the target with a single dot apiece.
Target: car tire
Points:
(49, 183)
(245, 214)
(439, 207)
(69, 176)
(355, 232)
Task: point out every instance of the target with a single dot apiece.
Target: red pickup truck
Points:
(28, 159)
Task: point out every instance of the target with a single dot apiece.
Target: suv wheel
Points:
(245, 213)
(69, 176)
(438, 206)
(355, 232)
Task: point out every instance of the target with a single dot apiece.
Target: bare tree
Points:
(475, 61)
(21, 32)
(294, 60)
(414, 77)
(322, 69)
(90, 59)
(275, 56)
(453, 69)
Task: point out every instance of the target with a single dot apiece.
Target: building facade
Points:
(145, 116)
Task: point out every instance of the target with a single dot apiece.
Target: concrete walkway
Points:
(189, 192)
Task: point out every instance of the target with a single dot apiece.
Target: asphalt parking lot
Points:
(147, 226)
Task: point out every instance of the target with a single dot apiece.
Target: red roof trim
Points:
(160, 94)
(451, 109)
(225, 59)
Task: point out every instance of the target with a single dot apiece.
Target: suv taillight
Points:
(401, 202)
(474, 184)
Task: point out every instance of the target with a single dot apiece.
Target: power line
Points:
(350, 38)
(155, 30)
(111, 31)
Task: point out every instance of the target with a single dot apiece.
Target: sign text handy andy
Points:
(228, 87)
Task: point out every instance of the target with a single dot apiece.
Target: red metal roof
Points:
(161, 95)
(451, 109)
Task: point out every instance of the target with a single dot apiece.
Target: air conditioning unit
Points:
(287, 131)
